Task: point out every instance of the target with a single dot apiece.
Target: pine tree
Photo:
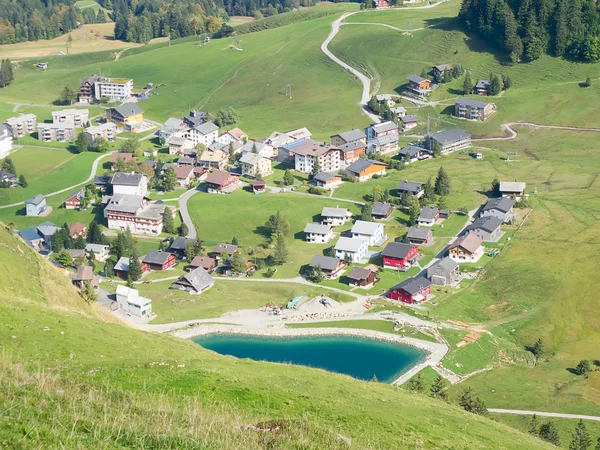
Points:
(168, 222)
(64, 258)
(109, 268)
(22, 181)
(549, 433)
(134, 272)
(495, 86)
(533, 426)
(183, 230)
(442, 183)
(254, 149)
(428, 197)
(424, 73)
(238, 265)
(378, 194)
(169, 181)
(191, 250)
(366, 212)
(8, 166)
(316, 167)
(438, 389)
(81, 143)
(6, 73)
(101, 16)
(538, 348)
(506, 82)
(94, 235)
(580, 438)
(414, 211)
(416, 384)
(288, 178)
(235, 241)
(89, 293)
(468, 84)
(67, 96)
(280, 253)
(583, 368)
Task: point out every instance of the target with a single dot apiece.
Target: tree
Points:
(280, 253)
(588, 82)
(457, 71)
(366, 212)
(169, 181)
(442, 183)
(191, 250)
(470, 404)
(441, 203)
(235, 241)
(495, 185)
(549, 433)
(109, 268)
(277, 225)
(183, 230)
(424, 73)
(132, 145)
(64, 258)
(134, 273)
(538, 348)
(67, 96)
(533, 426)
(94, 235)
(316, 168)
(468, 84)
(22, 181)
(414, 210)
(79, 242)
(238, 265)
(428, 197)
(168, 222)
(506, 82)
(436, 149)
(583, 368)
(101, 16)
(81, 143)
(88, 292)
(495, 86)
(6, 73)
(8, 166)
(580, 438)
(378, 194)
(373, 105)
(316, 274)
(416, 384)
(438, 389)
(288, 178)
(406, 199)
(58, 241)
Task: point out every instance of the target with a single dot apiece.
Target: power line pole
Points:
(288, 90)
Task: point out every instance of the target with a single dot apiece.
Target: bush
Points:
(316, 190)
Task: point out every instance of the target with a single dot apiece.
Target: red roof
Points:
(124, 156)
(183, 172)
(76, 228)
(219, 177)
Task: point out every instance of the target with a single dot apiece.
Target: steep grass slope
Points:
(69, 378)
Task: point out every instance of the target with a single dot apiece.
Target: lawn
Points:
(83, 4)
(6, 111)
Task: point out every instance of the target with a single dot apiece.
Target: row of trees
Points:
(6, 73)
(9, 166)
(434, 193)
(527, 29)
(263, 8)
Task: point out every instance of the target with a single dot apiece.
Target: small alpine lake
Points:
(359, 357)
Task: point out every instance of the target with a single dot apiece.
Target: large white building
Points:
(113, 88)
(306, 153)
(5, 140)
(205, 134)
(134, 212)
(22, 125)
(130, 184)
(130, 301)
(77, 116)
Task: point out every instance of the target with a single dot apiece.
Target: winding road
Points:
(512, 134)
(185, 215)
(543, 414)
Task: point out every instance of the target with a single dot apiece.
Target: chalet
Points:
(106, 131)
(77, 229)
(253, 165)
(487, 228)
(308, 151)
(86, 91)
(429, 215)
(204, 134)
(419, 86)
(200, 173)
(184, 175)
(122, 157)
(482, 87)
(228, 249)
(413, 188)
(221, 182)
(385, 99)
(334, 216)
(352, 151)
(381, 210)
(440, 70)
(330, 266)
(408, 122)
(36, 205)
(419, 236)
(411, 291)
(129, 301)
(22, 125)
(233, 135)
(78, 116)
(85, 274)
(363, 277)
(129, 183)
(381, 4)
(400, 256)
(136, 213)
(178, 144)
(351, 249)
(327, 179)
(121, 268)
(60, 132)
(398, 111)
(228, 266)
(471, 109)
(6, 140)
(73, 201)
(318, 234)
(365, 169)
(502, 208)
(8, 178)
(443, 272)
(179, 245)
(212, 160)
(173, 127)
(194, 282)
(101, 251)
(466, 249)
(449, 141)
(348, 137)
(512, 189)
(186, 161)
(372, 232)
(382, 137)
(207, 263)
(129, 117)
(157, 260)
(258, 186)
(300, 133)
(76, 253)
(261, 148)
(412, 153)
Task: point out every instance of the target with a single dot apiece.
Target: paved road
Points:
(185, 215)
(544, 414)
(70, 188)
(512, 134)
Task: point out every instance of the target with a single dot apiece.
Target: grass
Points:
(84, 4)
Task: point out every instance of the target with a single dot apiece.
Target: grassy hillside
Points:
(64, 363)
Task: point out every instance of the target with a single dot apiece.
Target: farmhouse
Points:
(327, 179)
(22, 125)
(449, 140)
(77, 229)
(35, 205)
(471, 109)
(207, 263)
(487, 228)
(363, 277)
(121, 268)
(351, 249)
(128, 116)
(413, 188)
(73, 201)
(222, 182)
(397, 255)
(502, 208)
(443, 272)
(308, 151)
(365, 169)
(429, 215)
(318, 234)
(253, 164)
(101, 251)
(205, 134)
(116, 89)
(466, 249)
(212, 160)
(381, 210)
(330, 266)
(130, 301)
(352, 151)
(106, 131)
(419, 86)
(372, 232)
(60, 132)
(419, 236)
(184, 175)
(512, 189)
(408, 122)
(129, 183)
(85, 274)
(482, 87)
(194, 282)
(228, 249)
(334, 216)
(347, 137)
(412, 153)
(440, 70)
(78, 116)
(179, 245)
(414, 290)
(478, 153)
(157, 260)
(6, 139)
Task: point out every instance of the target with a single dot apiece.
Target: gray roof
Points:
(413, 285)
(408, 119)
(368, 228)
(419, 233)
(122, 264)
(503, 204)
(180, 242)
(198, 278)
(5, 176)
(428, 213)
(230, 249)
(416, 79)
(350, 146)
(35, 200)
(471, 102)
(102, 180)
(76, 253)
(397, 250)
(152, 211)
(127, 179)
(317, 228)
(206, 128)
(125, 203)
(129, 109)
(443, 67)
(326, 262)
(362, 164)
(410, 186)
(380, 209)
(412, 151)
(156, 257)
(483, 84)
(47, 229)
(186, 160)
(447, 264)
(448, 136)
(384, 140)
(359, 273)
(248, 146)
(323, 177)
(489, 224)
(352, 135)
(384, 126)
(334, 212)
(96, 248)
(347, 244)
(251, 159)
(512, 186)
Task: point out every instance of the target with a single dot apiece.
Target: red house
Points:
(381, 4)
(413, 290)
(397, 255)
(74, 200)
(157, 260)
(220, 182)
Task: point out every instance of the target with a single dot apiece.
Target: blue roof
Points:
(30, 234)
(297, 143)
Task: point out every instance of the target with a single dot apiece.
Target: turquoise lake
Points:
(355, 356)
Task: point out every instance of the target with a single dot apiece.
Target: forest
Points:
(527, 29)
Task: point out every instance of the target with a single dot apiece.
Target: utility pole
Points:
(288, 90)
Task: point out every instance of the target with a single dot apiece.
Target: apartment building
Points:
(22, 125)
(310, 151)
(106, 131)
(59, 132)
(114, 88)
(78, 116)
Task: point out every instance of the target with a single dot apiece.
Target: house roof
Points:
(334, 212)
(512, 186)
(419, 233)
(367, 228)
(323, 177)
(20, 119)
(398, 250)
(351, 146)
(258, 183)
(196, 117)
(351, 245)
(469, 242)
(184, 172)
(248, 146)
(76, 228)
(125, 203)
(218, 177)
(6, 176)
(359, 273)
(502, 204)
(128, 109)
(176, 141)
(308, 147)
(30, 234)
(483, 84)
(47, 229)
(359, 166)
(206, 128)
(384, 139)
(35, 200)
(101, 128)
(251, 159)
(428, 213)
(84, 273)
(102, 180)
(489, 224)
(121, 155)
(384, 126)
(416, 79)
(443, 67)
(122, 264)
(382, 97)
(56, 126)
(208, 156)
(76, 252)
(413, 285)
(237, 134)
(412, 151)
(471, 102)
(96, 248)
(448, 136)
(230, 249)
(186, 160)
(408, 119)
(203, 261)
(398, 110)
(180, 243)
(299, 133)
(380, 208)
(410, 186)
(326, 262)
(156, 257)
(317, 228)
(447, 263)
(127, 179)
(198, 278)
(352, 135)
(77, 194)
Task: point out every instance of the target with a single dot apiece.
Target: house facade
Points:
(444, 272)
(412, 153)
(419, 86)
(501, 208)
(330, 266)
(78, 116)
(347, 137)
(512, 189)
(486, 228)
(6, 139)
(413, 188)
(362, 277)
(365, 169)
(482, 87)
(351, 151)
(309, 151)
(135, 213)
(59, 132)
(158, 260)
(449, 141)
(399, 256)
(221, 182)
(372, 232)
(471, 109)
(129, 117)
(315, 233)
(74, 200)
(131, 302)
(212, 160)
(419, 236)
(408, 122)
(129, 184)
(106, 131)
(116, 89)
(466, 249)
(327, 180)
(382, 137)
(381, 210)
(194, 282)
(411, 291)
(22, 125)
(334, 216)
(351, 249)
(428, 216)
(35, 205)
(253, 164)
(205, 134)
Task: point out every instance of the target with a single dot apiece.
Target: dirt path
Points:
(543, 414)
(512, 134)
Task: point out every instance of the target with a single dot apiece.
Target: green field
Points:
(83, 4)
